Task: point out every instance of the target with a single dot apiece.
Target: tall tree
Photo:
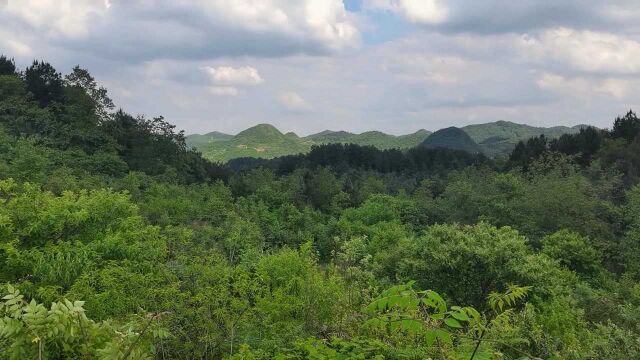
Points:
(524, 152)
(45, 83)
(627, 127)
(7, 66)
(81, 78)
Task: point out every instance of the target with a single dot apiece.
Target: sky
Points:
(309, 65)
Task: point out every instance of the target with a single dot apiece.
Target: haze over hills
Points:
(266, 141)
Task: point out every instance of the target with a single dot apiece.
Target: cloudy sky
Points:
(309, 65)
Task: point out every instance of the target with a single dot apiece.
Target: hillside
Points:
(331, 137)
(197, 140)
(452, 138)
(261, 141)
(376, 139)
(266, 142)
(416, 138)
(501, 137)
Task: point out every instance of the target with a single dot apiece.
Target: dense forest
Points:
(119, 242)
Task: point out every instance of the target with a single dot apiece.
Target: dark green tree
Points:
(7, 66)
(524, 152)
(573, 251)
(45, 83)
(322, 188)
(626, 127)
(81, 78)
(584, 145)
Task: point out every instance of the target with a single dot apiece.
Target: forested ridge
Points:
(119, 242)
(266, 142)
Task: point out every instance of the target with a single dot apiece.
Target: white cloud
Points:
(424, 11)
(562, 84)
(324, 20)
(228, 75)
(225, 80)
(468, 63)
(224, 91)
(135, 30)
(585, 88)
(429, 12)
(509, 16)
(618, 88)
(586, 51)
(330, 23)
(441, 70)
(431, 80)
(67, 18)
(293, 102)
(19, 48)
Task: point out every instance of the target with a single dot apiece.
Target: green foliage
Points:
(419, 313)
(45, 83)
(36, 218)
(102, 104)
(299, 298)
(7, 66)
(19, 113)
(482, 257)
(631, 243)
(309, 256)
(324, 190)
(573, 251)
(626, 127)
(425, 316)
(541, 204)
(510, 298)
(29, 330)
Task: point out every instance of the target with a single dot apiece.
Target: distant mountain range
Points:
(265, 141)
